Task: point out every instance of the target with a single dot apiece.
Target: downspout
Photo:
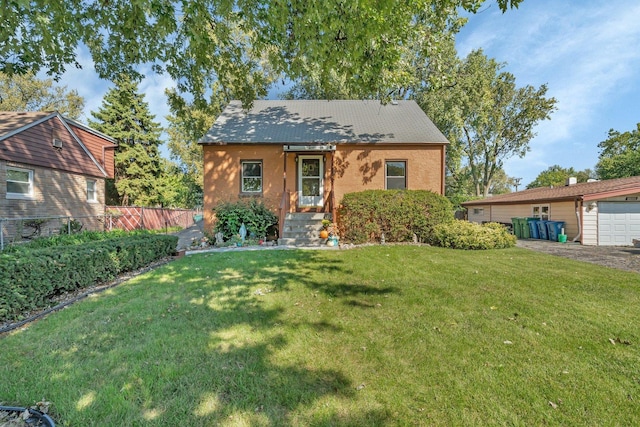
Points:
(578, 208)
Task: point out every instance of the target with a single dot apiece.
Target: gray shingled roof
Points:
(299, 122)
(583, 191)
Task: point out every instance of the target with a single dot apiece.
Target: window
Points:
(251, 176)
(396, 175)
(91, 191)
(19, 183)
(540, 212)
(478, 211)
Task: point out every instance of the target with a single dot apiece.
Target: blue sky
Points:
(587, 51)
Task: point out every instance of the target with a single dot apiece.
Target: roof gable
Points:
(583, 191)
(26, 137)
(319, 121)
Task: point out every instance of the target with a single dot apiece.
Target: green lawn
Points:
(384, 335)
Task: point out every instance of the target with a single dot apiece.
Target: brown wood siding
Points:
(102, 149)
(33, 146)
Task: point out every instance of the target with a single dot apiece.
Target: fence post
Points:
(1, 234)
(69, 225)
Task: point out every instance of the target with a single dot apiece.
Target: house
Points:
(304, 155)
(52, 166)
(598, 213)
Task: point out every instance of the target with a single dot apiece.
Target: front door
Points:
(310, 181)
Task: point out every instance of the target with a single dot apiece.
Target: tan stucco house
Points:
(303, 156)
(51, 166)
(598, 213)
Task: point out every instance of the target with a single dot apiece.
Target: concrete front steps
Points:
(302, 229)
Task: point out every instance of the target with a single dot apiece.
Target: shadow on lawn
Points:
(206, 351)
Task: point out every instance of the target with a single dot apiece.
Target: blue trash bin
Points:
(555, 229)
(533, 228)
(542, 230)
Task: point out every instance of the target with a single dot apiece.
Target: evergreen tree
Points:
(125, 116)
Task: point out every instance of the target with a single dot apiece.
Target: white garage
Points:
(618, 223)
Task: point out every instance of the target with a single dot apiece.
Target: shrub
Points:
(31, 277)
(469, 235)
(253, 213)
(73, 239)
(399, 214)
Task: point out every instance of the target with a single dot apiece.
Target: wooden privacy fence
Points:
(138, 218)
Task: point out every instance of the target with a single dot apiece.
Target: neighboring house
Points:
(598, 213)
(303, 156)
(52, 166)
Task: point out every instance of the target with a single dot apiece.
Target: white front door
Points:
(310, 181)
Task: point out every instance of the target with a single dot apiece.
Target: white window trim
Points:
(540, 207)
(95, 191)
(28, 196)
(242, 189)
(386, 177)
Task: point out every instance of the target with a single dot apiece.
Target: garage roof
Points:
(584, 191)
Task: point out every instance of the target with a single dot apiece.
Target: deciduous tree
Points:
(486, 118)
(234, 43)
(28, 93)
(620, 155)
(556, 176)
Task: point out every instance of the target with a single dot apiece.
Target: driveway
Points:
(620, 257)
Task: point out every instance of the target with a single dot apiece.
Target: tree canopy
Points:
(486, 118)
(28, 93)
(239, 44)
(620, 155)
(125, 116)
(556, 176)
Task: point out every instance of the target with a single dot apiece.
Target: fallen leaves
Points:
(619, 341)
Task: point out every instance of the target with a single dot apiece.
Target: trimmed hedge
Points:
(72, 239)
(469, 235)
(29, 278)
(399, 214)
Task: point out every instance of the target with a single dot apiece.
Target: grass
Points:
(397, 335)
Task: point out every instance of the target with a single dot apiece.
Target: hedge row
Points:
(72, 239)
(29, 278)
(398, 214)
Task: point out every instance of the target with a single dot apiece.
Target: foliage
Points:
(28, 93)
(187, 124)
(236, 44)
(486, 118)
(398, 214)
(71, 227)
(256, 217)
(177, 188)
(556, 176)
(125, 116)
(64, 239)
(620, 155)
(469, 235)
(35, 275)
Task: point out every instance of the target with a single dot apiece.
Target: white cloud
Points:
(587, 53)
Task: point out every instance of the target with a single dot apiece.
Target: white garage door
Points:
(618, 223)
